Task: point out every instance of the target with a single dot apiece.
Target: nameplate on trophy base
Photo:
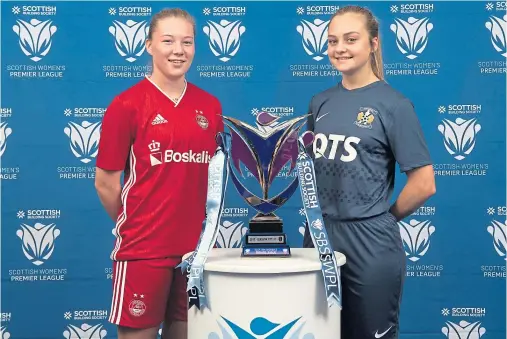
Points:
(265, 237)
(268, 238)
(266, 250)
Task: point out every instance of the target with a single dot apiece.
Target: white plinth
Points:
(280, 290)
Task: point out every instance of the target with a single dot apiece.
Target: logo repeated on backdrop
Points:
(460, 130)
(36, 29)
(82, 133)
(495, 235)
(417, 231)
(224, 30)
(232, 228)
(7, 171)
(128, 30)
(84, 331)
(38, 234)
(412, 27)
(495, 30)
(312, 29)
(463, 322)
(5, 318)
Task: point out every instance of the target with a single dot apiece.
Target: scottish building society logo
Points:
(35, 36)
(129, 30)
(130, 35)
(412, 36)
(35, 29)
(262, 328)
(312, 27)
(225, 34)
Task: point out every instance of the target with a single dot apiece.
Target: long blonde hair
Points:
(372, 24)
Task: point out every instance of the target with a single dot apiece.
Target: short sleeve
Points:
(406, 137)
(115, 137)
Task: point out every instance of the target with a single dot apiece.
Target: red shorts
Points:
(147, 293)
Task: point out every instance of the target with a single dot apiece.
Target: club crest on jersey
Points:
(201, 119)
(365, 117)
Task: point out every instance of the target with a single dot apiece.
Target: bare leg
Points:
(135, 333)
(174, 330)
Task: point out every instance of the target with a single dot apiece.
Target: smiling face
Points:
(172, 46)
(350, 46)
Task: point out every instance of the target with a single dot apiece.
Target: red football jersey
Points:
(164, 148)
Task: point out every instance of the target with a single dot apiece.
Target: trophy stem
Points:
(265, 223)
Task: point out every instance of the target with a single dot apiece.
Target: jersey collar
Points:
(175, 101)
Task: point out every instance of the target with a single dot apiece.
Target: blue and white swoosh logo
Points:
(260, 328)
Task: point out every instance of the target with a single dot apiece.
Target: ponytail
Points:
(377, 64)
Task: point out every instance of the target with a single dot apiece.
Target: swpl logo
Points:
(224, 38)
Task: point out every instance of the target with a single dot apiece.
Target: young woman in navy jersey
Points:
(161, 134)
(363, 127)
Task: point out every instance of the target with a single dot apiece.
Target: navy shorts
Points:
(373, 276)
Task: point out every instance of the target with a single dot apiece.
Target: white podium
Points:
(252, 298)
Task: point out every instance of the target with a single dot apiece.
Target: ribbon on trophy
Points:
(218, 174)
(316, 227)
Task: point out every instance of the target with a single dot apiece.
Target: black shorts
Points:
(373, 276)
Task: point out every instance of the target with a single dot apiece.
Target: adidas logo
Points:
(158, 120)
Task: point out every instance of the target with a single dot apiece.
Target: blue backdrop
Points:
(62, 63)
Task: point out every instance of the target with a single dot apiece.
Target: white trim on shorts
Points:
(118, 292)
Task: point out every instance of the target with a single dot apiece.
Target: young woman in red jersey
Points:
(161, 134)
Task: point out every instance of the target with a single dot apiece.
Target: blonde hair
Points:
(372, 24)
(169, 13)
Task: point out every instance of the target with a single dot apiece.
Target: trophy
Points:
(264, 150)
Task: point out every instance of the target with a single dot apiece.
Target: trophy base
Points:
(268, 223)
(265, 245)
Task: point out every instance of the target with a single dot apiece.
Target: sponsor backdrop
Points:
(62, 63)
